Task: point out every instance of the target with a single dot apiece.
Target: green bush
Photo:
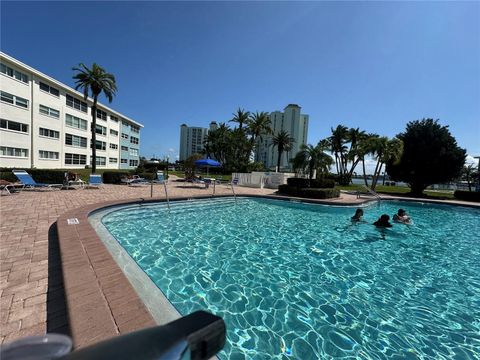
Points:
(312, 193)
(148, 176)
(298, 182)
(114, 177)
(287, 190)
(315, 193)
(322, 183)
(39, 175)
(467, 195)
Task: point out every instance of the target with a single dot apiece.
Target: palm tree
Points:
(95, 81)
(385, 151)
(337, 142)
(283, 141)
(240, 117)
(259, 124)
(312, 158)
(367, 147)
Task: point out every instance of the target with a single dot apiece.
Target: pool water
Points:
(300, 281)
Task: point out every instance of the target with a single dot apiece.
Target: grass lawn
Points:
(399, 191)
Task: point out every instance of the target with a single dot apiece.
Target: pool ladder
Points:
(371, 192)
(166, 194)
(233, 191)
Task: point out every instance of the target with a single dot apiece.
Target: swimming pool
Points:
(295, 280)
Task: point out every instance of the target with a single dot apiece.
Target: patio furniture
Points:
(8, 187)
(95, 181)
(28, 182)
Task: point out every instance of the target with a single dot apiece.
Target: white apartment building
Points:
(295, 124)
(46, 124)
(192, 139)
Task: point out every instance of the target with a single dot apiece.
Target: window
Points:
(49, 133)
(100, 160)
(101, 114)
(13, 125)
(133, 163)
(14, 100)
(124, 123)
(15, 152)
(112, 160)
(133, 140)
(73, 140)
(49, 155)
(76, 122)
(49, 89)
(49, 111)
(76, 104)
(124, 161)
(124, 136)
(100, 145)
(133, 152)
(124, 148)
(75, 159)
(7, 70)
(113, 146)
(113, 132)
(135, 129)
(101, 130)
(114, 118)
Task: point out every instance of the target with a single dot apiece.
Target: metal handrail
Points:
(166, 194)
(233, 190)
(372, 192)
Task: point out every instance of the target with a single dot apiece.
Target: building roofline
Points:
(63, 86)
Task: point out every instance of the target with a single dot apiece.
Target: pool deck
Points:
(56, 277)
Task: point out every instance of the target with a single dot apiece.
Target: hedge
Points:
(298, 182)
(467, 195)
(312, 193)
(114, 177)
(39, 175)
(314, 183)
(322, 183)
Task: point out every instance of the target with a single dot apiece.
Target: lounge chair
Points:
(95, 180)
(134, 180)
(160, 177)
(8, 187)
(28, 182)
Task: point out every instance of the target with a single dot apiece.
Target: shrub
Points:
(287, 190)
(39, 175)
(114, 177)
(148, 176)
(322, 183)
(314, 193)
(467, 195)
(298, 182)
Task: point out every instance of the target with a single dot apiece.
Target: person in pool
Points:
(358, 216)
(383, 221)
(402, 217)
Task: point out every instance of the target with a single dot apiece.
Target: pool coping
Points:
(101, 302)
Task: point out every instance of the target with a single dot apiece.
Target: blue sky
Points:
(373, 65)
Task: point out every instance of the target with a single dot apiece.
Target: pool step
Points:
(160, 209)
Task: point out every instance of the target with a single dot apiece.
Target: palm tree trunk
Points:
(364, 172)
(94, 135)
(280, 151)
(375, 174)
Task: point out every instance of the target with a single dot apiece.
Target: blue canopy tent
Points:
(207, 163)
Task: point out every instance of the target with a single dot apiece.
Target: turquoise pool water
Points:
(299, 281)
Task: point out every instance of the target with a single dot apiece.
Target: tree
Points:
(430, 155)
(367, 147)
(240, 117)
(95, 81)
(190, 165)
(311, 158)
(469, 174)
(259, 124)
(385, 150)
(283, 141)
